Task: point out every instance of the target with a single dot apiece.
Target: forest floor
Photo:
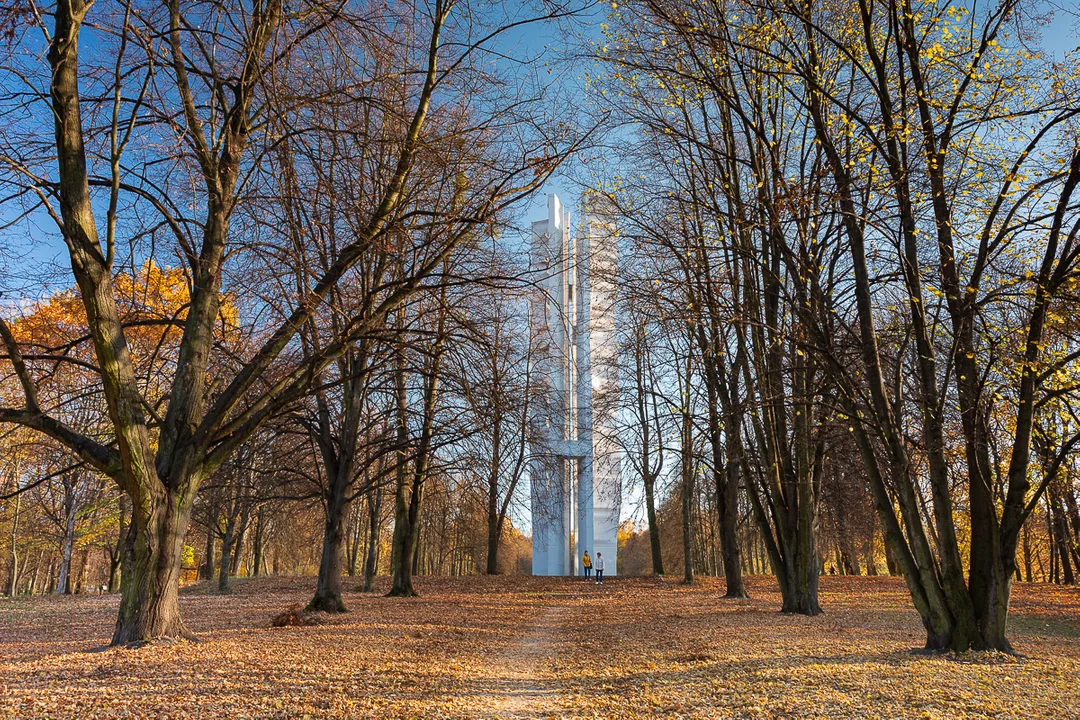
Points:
(538, 648)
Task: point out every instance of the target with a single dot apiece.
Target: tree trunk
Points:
(226, 550)
(494, 522)
(687, 463)
(800, 592)
(149, 602)
(338, 448)
(238, 541)
(79, 586)
(63, 581)
(418, 566)
(493, 533)
(354, 538)
(116, 566)
(1052, 572)
(407, 509)
(371, 558)
(37, 574)
(257, 544)
(35, 585)
(687, 529)
(848, 557)
(649, 473)
(726, 462)
(1074, 520)
(1059, 523)
(1027, 553)
(727, 492)
(207, 569)
(13, 580)
(890, 561)
(654, 527)
(868, 551)
(402, 542)
(407, 505)
(995, 604)
(328, 587)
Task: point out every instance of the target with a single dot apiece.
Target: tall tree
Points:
(214, 106)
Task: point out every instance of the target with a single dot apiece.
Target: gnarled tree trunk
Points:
(149, 593)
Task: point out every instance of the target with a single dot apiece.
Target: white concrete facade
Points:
(576, 463)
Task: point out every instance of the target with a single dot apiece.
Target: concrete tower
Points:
(575, 471)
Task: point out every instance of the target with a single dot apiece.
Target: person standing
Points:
(599, 568)
(586, 562)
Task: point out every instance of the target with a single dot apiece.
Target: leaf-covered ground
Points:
(531, 647)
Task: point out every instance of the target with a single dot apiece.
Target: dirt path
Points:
(527, 686)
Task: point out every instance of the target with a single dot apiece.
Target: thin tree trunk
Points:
(871, 561)
(654, 527)
(226, 551)
(649, 474)
(257, 544)
(726, 459)
(79, 586)
(494, 524)
(37, 573)
(63, 581)
(493, 532)
(848, 557)
(13, 581)
(117, 565)
(687, 498)
(1027, 552)
(1061, 537)
(238, 541)
(371, 558)
(1074, 520)
(407, 509)
(355, 538)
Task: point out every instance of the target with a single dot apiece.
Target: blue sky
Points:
(34, 257)
(34, 262)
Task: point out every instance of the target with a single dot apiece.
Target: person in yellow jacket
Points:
(586, 562)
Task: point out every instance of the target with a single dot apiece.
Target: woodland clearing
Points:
(538, 647)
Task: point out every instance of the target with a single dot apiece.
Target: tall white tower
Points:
(575, 470)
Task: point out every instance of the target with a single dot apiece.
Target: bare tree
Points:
(215, 107)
